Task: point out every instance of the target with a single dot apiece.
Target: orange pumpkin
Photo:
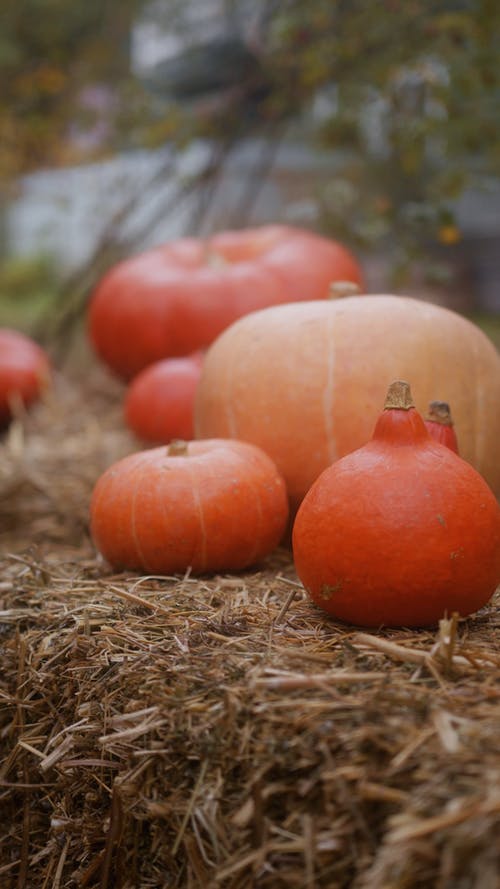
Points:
(208, 506)
(159, 401)
(176, 298)
(399, 532)
(440, 426)
(24, 372)
(305, 381)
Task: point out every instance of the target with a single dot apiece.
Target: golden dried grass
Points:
(219, 731)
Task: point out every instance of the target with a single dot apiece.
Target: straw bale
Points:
(160, 732)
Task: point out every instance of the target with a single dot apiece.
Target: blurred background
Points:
(125, 123)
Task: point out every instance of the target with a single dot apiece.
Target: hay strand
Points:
(219, 731)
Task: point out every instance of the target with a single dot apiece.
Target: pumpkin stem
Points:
(399, 396)
(212, 258)
(177, 448)
(339, 289)
(439, 412)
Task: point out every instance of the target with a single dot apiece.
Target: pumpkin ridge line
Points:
(228, 401)
(477, 438)
(328, 391)
(135, 536)
(257, 491)
(199, 507)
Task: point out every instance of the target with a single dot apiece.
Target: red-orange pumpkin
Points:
(159, 401)
(400, 531)
(305, 382)
(208, 506)
(440, 426)
(24, 372)
(175, 299)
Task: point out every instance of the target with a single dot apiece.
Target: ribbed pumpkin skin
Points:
(445, 435)
(439, 425)
(398, 532)
(177, 298)
(159, 402)
(305, 382)
(220, 507)
(24, 371)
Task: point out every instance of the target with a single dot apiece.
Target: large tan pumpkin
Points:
(305, 381)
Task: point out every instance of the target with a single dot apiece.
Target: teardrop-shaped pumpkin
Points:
(204, 505)
(305, 381)
(400, 531)
(440, 426)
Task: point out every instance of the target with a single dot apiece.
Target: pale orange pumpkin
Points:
(305, 381)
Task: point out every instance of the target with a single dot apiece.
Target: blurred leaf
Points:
(414, 121)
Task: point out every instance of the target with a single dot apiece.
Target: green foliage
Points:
(49, 51)
(411, 90)
(491, 326)
(427, 75)
(28, 291)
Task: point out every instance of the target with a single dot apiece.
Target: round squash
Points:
(203, 505)
(305, 382)
(176, 298)
(24, 372)
(401, 531)
(159, 401)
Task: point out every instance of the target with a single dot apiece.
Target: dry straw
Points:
(219, 732)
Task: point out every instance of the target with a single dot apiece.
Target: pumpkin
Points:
(305, 382)
(176, 298)
(24, 372)
(159, 401)
(439, 424)
(208, 506)
(399, 532)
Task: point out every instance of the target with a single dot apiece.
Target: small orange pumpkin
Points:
(400, 531)
(204, 505)
(176, 298)
(159, 401)
(24, 372)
